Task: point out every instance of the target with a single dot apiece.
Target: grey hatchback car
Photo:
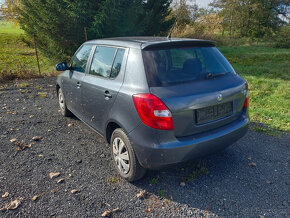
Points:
(156, 101)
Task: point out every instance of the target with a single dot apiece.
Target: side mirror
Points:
(62, 66)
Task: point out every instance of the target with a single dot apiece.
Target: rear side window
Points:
(165, 67)
(117, 63)
(102, 61)
(80, 60)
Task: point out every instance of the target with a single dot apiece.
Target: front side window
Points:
(79, 61)
(102, 61)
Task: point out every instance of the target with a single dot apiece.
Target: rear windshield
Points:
(165, 67)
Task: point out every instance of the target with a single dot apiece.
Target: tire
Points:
(128, 167)
(62, 104)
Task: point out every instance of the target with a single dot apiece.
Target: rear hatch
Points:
(197, 84)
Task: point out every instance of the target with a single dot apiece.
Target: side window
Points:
(79, 61)
(102, 61)
(117, 63)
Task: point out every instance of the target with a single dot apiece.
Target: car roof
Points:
(149, 42)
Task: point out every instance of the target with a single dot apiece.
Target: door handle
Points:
(107, 94)
(78, 85)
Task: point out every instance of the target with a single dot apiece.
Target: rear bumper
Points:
(155, 154)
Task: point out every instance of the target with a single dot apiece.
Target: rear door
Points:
(73, 84)
(102, 83)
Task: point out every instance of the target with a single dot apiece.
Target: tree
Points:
(59, 24)
(254, 18)
(10, 10)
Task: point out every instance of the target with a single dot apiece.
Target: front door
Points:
(76, 75)
(101, 84)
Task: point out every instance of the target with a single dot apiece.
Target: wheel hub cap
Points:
(121, 155)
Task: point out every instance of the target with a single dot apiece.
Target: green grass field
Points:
(267, 71)
(16, 56)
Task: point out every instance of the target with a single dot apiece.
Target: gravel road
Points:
(249, 179)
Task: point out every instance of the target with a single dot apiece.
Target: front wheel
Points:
(124, 157)
(62, 104)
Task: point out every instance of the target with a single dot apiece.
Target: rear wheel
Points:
(124, 157)
(62, 104)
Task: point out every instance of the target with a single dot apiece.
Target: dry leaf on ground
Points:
(148, 210)
(74, 191)
(106, 213)
(53, 174)
(36, 138)
(252, 164)
(5, 195)
(182, 184)
(116, 210)
(60, 180)
(12, 205)
(70, 124)
(13, 140)
(142, 194)
(35, 197)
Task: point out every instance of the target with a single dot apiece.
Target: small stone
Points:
(79, 161)
(102, 156)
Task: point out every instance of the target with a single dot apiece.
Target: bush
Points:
(283, 37)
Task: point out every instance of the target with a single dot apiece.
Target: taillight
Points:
(246, 104)
(153, 112)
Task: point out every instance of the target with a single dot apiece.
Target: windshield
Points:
(165, 67)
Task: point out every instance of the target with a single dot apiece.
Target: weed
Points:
(113, 180)
(153, 181)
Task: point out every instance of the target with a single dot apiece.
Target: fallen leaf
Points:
(22, 146)
(74, 191)
(249, 158)
(53, 191)
(182, 184)
(142, 194)
(106, 213)
(12, 205)
(252, 164)
(31, 116)
(60, 180)
(5, 195)
(40, 155)
(116, 210)
(36, 138)
(70, 124)
(53, 174)
(148, 210)
(35, 197)
(13, 140)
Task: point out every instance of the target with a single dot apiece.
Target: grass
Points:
(17, 59)
(267, 71)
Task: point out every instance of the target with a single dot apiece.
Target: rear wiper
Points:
(210, 75)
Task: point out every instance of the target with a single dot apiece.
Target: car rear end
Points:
(196, 104)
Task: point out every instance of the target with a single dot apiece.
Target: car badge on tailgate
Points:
(220, 97)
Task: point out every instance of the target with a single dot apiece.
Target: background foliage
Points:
(59, 24)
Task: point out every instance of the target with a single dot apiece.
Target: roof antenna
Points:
(171, 30)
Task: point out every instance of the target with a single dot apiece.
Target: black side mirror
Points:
(62, 66)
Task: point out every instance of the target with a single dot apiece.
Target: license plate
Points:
(215, 112)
